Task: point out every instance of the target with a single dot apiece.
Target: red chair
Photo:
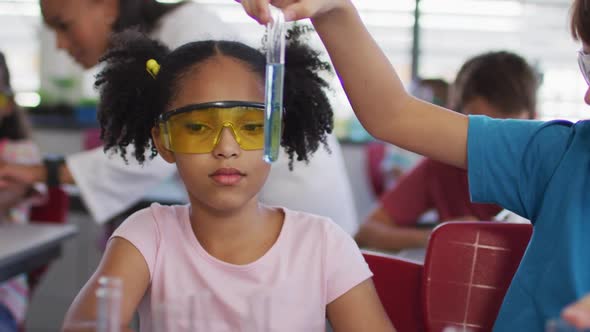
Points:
(55, 211)
(398, 283)
(467, 271)
(375, 152)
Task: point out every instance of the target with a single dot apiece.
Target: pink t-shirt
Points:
(312, 263)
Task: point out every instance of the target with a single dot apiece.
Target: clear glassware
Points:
(259, 313)
(274, 85)
(185, 314)
(278, 309)
(108, 305)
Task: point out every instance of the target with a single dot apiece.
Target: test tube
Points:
(108, 306)
(260, 313)
(184, 314)
(275, 75)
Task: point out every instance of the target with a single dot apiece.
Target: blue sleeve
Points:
(510, 162)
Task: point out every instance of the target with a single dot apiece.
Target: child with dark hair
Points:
(83, 27)
(502, 81)
(107, 186)
(16, 199)
(200, 107)
(497, 84)
(540, 170)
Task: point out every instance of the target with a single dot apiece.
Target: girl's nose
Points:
(227, 146)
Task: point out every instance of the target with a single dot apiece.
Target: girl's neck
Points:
(239, 236)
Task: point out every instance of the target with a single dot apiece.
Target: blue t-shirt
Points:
(540, 170)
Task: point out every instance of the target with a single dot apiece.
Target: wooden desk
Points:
(26, 247)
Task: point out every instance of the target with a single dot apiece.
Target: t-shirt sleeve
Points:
(345, 265)
(141, 230)
(409, 198)
(510, 162)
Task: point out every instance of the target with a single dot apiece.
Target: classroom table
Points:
(26, 247)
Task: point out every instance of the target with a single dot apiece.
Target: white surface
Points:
(170, 190)
(415, 254)
(18, 239)
(108, 185)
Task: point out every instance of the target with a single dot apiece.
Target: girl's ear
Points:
(164, 152)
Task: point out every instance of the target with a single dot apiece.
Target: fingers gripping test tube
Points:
(275, 75)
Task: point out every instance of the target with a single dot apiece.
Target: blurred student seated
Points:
(15, 198)
(393, 161)
(496, 84)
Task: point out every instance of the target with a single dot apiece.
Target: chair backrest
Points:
(398, 284)
(54, 210)
(375, 152)
(467, 271)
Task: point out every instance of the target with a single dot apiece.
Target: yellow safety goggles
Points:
(5, 99)
(197, 128)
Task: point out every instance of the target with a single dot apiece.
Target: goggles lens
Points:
(584, 63)
(197, 128)
(4, 100)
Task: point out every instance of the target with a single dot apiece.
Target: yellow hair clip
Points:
(153, 67)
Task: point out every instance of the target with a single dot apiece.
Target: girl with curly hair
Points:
(201, 107)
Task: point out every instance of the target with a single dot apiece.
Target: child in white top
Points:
(16, 198)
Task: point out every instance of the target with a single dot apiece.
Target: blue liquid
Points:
(273, 113)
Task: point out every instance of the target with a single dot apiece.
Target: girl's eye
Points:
(62, 26)
(197, 128)
(253, 127)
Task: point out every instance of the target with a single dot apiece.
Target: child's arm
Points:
(392, 224)
(379, 231)
(376, 93)
(30, 174)
(121, 259)
(12, 195)
(359, 309)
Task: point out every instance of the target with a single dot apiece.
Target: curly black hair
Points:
(142, 14)
(131, 100)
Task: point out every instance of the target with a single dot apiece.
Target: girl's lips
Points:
(227, 176)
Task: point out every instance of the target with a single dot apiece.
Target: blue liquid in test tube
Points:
(275, 74)
(273, 111)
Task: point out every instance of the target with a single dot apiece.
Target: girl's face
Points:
(228, 177)
(82, 27)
